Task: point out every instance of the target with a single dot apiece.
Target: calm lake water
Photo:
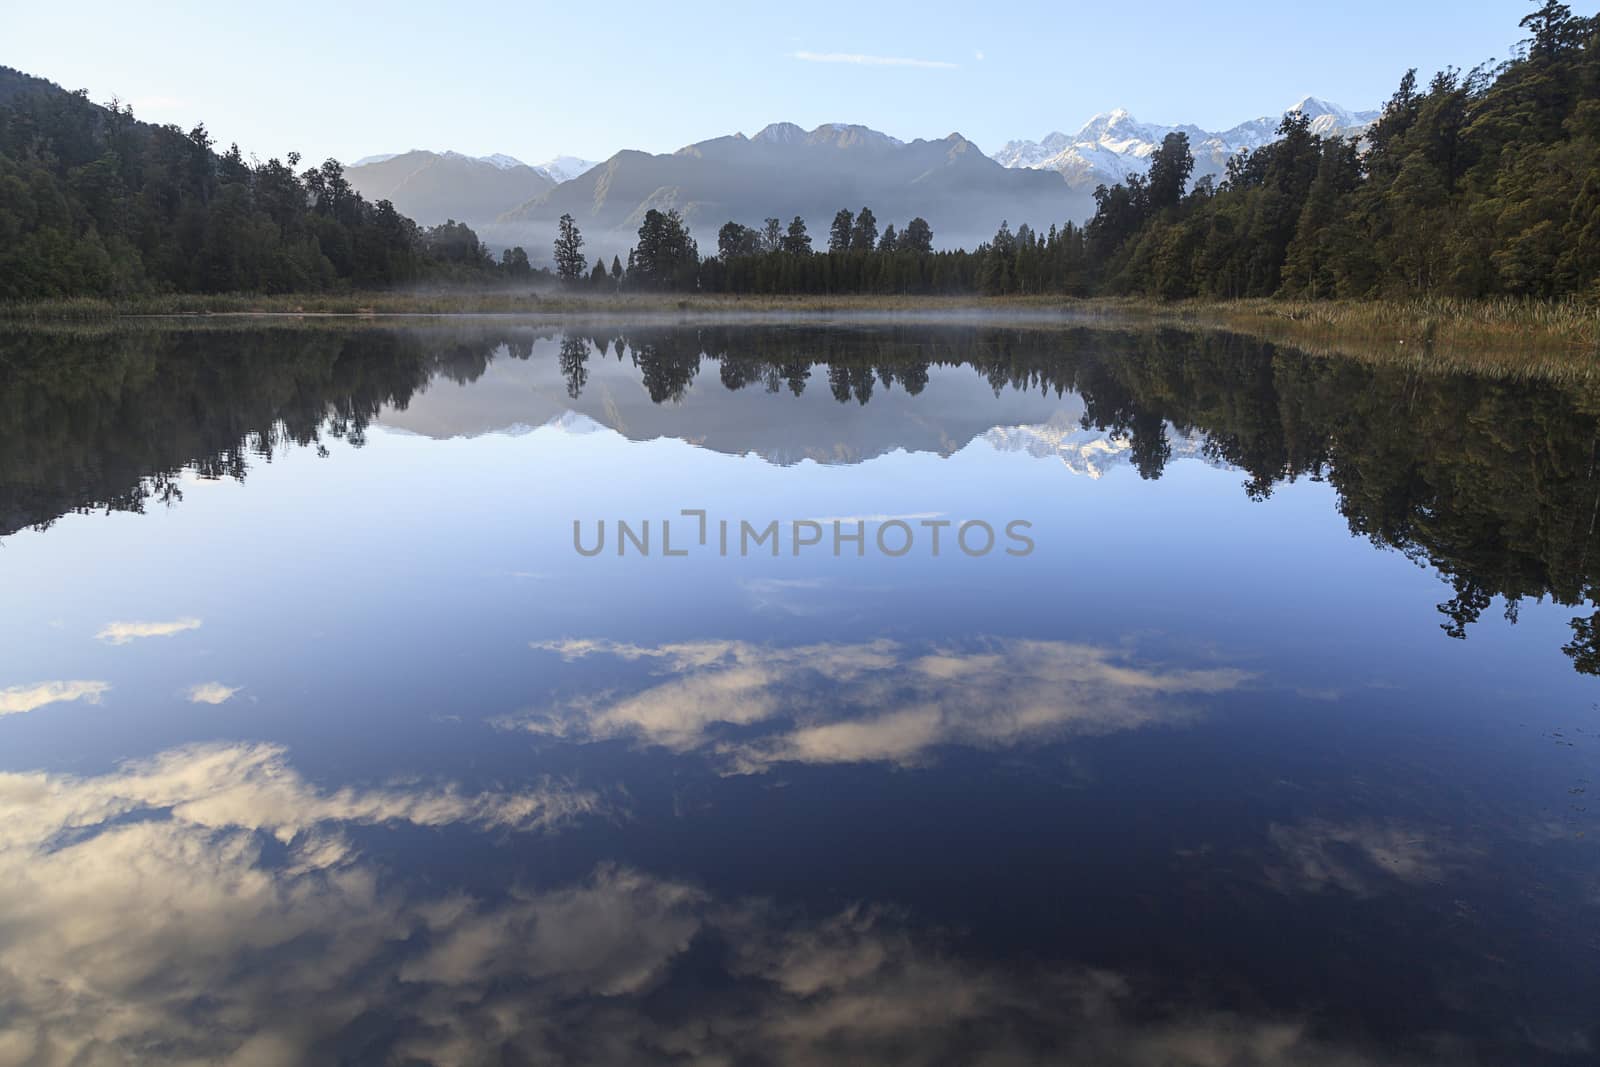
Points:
(320, 742)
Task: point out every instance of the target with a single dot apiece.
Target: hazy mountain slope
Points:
(1113, 145)
(434, 186)
(785, 171)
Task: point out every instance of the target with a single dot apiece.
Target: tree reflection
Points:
(1489, 482)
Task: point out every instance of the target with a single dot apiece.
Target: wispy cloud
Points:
(24, 698)
(120, 633)
(876, 702)
(849, 520)
(861, 60)
(212, 693)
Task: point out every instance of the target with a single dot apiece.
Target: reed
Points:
(1557, 340)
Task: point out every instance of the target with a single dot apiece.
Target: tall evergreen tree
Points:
(839, 233)
(864, 234)
(796, 241)
(569, 250)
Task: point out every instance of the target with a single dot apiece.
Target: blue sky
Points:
(536, 79)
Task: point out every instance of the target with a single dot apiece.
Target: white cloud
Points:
(120, 633)
(252, 786)
(182, 932)
(129, 934)
(24, 698)
(978, 56)
(879, 701)
(858, 59)
(850, 520)
(1361, 858)
(212, 693)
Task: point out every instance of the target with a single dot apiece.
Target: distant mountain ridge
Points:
(432, 187)
(1114, 144)
(785, 170)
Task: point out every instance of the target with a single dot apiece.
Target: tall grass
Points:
(1500, 337)
(1557, 340)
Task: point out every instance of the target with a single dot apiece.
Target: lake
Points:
(1261, 730)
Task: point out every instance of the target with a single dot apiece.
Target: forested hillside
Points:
(1484, 183)
(95, 202)
(1477, 184)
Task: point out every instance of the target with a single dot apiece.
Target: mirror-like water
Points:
(320, 740)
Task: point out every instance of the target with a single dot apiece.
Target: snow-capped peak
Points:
(504, 162)
(780, 133)
(565, 168)
(1113, 144)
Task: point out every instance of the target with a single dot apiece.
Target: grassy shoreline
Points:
(1503, 337)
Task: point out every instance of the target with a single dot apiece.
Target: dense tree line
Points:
(1477, 184)
(1483, 183)
(95, 202)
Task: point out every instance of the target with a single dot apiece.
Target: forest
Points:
(1480, 183)
(1483, 183)
(95, 202)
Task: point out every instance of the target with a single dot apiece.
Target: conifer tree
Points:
(569, 250)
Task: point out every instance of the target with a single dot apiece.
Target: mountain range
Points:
(785, 170)
(1114, 144)
(432, 187)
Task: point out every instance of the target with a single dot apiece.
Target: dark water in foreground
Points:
(320, 743)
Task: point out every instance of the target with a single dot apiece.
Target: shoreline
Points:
(1502, 337)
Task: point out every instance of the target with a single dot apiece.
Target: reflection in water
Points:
(210, 905)
(1490, 482)
(879, 701)
(120, 633)
(362, 765)
(23, 698)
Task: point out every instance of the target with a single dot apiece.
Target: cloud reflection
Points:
(212, 693)
(20, 699)
(120, 633)
(147, 917)
(876, 701)
(1363, 858)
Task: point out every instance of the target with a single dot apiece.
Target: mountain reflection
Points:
(1490, 482)
(211, 905)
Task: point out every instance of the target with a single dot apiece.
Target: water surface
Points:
(319, 742)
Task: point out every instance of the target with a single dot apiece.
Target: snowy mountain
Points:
(1114, 144)
(1092, 453)
(785, 170)
(565, 168)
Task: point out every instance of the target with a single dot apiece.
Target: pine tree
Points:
(569, 250)
(864, 234)
(839, 232)
(918, 236)
(797, 242)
